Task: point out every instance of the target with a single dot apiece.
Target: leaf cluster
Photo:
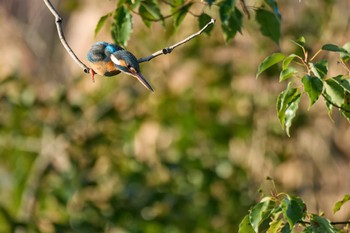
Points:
(312, 80)
(284, 213)
(231, 15)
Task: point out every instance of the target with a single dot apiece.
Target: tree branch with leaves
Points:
(312, 80)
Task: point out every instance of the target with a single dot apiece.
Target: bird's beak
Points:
(142, 80)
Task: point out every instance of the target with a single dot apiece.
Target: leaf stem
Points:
(314, 56)
(345, 66)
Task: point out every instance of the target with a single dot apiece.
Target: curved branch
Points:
(171, 48)
(58, 21)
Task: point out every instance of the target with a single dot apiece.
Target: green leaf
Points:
(270, 25)
(150, 12)
(346, 56)
(323, 225)
(300, 42)
(101, 22)
(121, 2)
(180, 14)
(343, 82)
(346, 46)
(333, 48)
(334, 91)
(313, 86)
(121, 26)
(293, 209)
(345, 108)
(320, 68)
(287, 105)
(287, 61)
(286, 229)
(309, 229)
(269, 61)
(244, 226)
(231, 19)
(340, 203)
(287, 73)
(260, 213)
(274, 7)
(203, 19)
(276, 226)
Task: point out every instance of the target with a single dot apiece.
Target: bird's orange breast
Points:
(105, 68)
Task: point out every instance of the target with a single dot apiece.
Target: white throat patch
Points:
(115, 60)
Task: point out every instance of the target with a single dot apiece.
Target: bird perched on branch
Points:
(110, 59)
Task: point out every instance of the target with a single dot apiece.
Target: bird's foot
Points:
(92, 75)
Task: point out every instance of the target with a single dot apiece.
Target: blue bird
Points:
(110, 59)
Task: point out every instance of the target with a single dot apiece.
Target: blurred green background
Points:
(109, 156)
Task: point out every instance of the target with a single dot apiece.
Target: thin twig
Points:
(171, 48)
(340, 223)
(245, 8)
(332, 223)
(58, 21)
(335, 105)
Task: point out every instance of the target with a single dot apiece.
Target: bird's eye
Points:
(128, 65)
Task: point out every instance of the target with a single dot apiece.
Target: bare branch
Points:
(171, 48)
(58, 21)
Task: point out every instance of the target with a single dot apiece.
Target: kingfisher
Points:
(108, 59)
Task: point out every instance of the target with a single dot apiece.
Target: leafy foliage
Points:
(231, 19)
(334, 90)
(287, 105)
(285, 213)
(313, 87)
(122, 25)
(269, 24)
(230, 14)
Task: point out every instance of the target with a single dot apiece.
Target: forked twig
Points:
(58, 21)
(171, 48)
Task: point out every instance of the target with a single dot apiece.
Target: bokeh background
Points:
(109, 156)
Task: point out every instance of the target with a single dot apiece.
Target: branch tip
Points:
(171, 48)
